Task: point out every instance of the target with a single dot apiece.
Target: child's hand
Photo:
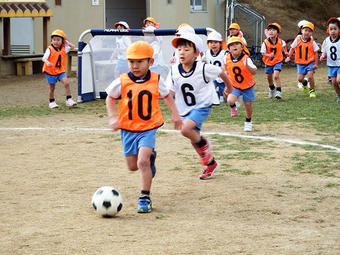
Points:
(323, 57)
(226, 92)
(113, 123)
(177, 120)
(287, 59)
(172, 60)
(315, 66)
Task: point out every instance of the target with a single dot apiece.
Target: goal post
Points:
(101, 56)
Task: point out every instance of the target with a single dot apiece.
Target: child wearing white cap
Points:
(190, 83)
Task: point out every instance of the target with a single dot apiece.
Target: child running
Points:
(54, 66)
(190, 83)
(139, 115)
(240, 69)
(306, 57)
(331, 52)
(215, 55)
(271, 50)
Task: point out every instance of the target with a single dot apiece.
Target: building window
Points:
(57, 2)
(197, 5)
(169, 1)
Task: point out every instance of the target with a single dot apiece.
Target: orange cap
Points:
(309, 25)
(139, 50)
(59, 32)
(234, 26)
(234, 39)
(151, 19)
(275, 25)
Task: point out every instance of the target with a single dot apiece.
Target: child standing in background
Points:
(240, 69)
(54, 66)
(331, 52)
(215, 55)
(271, 50)
(306, 57)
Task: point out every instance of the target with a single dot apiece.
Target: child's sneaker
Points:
(209, 171)
(305, 88)
(205, 153)
(271, 93)
(152, 162)
(233, 112)
(70, 102)
(312, 93)
(278, 94)
(53, 105)
(144, 204)
(248, 126)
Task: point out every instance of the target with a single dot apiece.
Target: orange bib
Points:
(277, 49)
(138, 107)
(58, 60)
(304, 52)
(238, 73)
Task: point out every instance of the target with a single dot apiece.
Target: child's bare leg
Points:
(67, 86)
(231, 99)
(188, 131)
(300, 78)
(310, 76)
(248, 108)
(277, 78)
(336, 85)
(131, 162)
(51, 91)
(270, 79)
(143, 164)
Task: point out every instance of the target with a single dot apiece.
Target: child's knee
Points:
(142, 163)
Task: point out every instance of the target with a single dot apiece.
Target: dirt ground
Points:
(48, 177)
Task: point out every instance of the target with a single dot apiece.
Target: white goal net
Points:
(102, 58)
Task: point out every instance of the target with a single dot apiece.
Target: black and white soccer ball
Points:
(107, 201)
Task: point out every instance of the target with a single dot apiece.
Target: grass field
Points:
(268, 197)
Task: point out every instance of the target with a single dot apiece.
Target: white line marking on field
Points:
(265, 138)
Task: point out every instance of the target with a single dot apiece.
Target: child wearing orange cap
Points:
(306, 57)
(271, 50)
(190, 83)
(150, 21)
(235, 30)
(139, 115)
(331, 52)
(240, 70)
(54, 66)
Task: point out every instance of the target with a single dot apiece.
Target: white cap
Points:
(214, 36)
(195, 39)
(123, 23)
(301, 23)
(185, 29)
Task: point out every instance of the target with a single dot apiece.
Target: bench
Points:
(25, 65)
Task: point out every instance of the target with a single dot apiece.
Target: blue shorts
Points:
(53, 79)
(333, 71)
(198, 116)
(248, 94)
(122, 66)
(303, 69)
(132, 141)
(271, 69)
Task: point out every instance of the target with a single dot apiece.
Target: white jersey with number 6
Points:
(332, 48)
(193, 89)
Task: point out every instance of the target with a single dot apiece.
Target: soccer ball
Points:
(107, 201)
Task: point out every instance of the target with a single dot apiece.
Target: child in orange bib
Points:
(306, 57)
(240, 70)
(54, 66)
(139, 115)
(271, 50)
